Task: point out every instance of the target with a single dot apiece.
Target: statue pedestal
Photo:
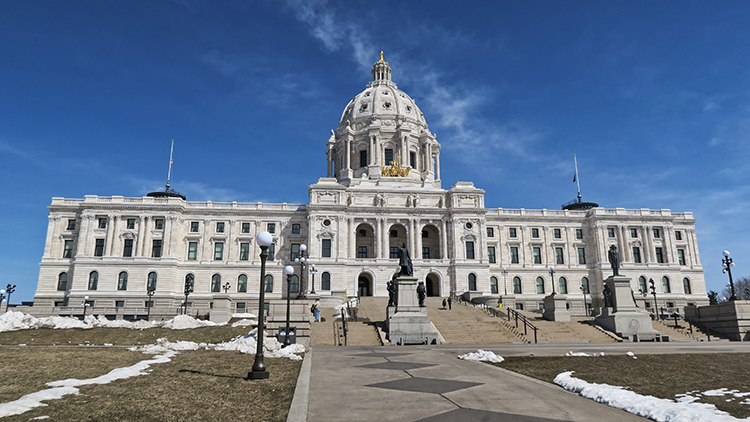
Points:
(222, 310)
(623, 317)
(555, 308)
(408, 322)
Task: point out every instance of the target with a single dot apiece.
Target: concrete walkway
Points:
(429, 383)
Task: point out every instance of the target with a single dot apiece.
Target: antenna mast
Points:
(169, 174)
(578, 182)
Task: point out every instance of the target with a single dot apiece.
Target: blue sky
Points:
(653, 97)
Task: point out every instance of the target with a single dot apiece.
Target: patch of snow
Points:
(69, 386)
(632, 355)
(184, 322)
(12, 321)
(244, 315)
(482, 356)
(245, 322)
(657, 409)
(38, 418)
(572, 353)
(163, 345)
(719, 392)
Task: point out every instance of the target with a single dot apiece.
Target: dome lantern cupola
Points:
(381, 71)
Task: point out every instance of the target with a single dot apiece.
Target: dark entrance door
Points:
(363, 288)
(433, 289)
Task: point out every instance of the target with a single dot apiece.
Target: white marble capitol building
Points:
(383, 189)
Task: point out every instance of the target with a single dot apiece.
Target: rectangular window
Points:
(244, 251)
(636, 254)
(413, 160)
(388, 156)
(512, 232)
(657, 233)
(271, 251)
(194, 226)
(192, 251)
(363, 158)
(558, 234)
(514, 254)
(581, 256)
(156, 249)
(394, 233)
(490, 232)
(362, 233)
(678, 235)
(271, 227)
(535, 233)
(559, 258)
(102, 223)
(611, 232)
(149, 303)
(633, 232)
(127, 249)
(393, 252)
(245, 227)
(295, 251)
(295, 228)
(425, 252)
(241, 306)
(119, 304)
(99, 248)
(469, 250)
(361, 251)
(131, 223)
(220, 227)
(325, 248)
(579, 233)
(681, 256)
(71, 225)
(159, 224)
(659, 255)
(536, 252)
(68, 251)
(425, 234)
(491, 254)
(219, 251)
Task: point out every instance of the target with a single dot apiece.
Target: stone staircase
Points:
(682, 332)
(328, 332)
(577, 329)
(466, 324)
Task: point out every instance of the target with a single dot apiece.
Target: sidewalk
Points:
(432, 384)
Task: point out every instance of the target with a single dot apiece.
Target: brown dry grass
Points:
(661, 376)
(196, 385)
(118, 336)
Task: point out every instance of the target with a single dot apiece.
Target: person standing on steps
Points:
(450, 301)
(316, 310)
(444, 304)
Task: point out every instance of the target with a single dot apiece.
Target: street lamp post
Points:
(189, 288)
(258, 372)
(150, 292)
(85, 305)
(289, 271)
(313, 271)
(9, 290)
(653, 291)
(227, 286)
(552, 274)
(727, 263)
(585, 308)
(505, 280)
(302, 261)
(2, 297)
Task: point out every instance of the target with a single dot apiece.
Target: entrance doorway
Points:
(364, 285)
(433, 285)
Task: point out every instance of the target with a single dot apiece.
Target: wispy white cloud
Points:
(7, 148)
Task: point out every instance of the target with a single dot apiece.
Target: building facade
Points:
(382, 190)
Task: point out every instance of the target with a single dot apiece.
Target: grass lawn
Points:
(661, 376)
(195, 385)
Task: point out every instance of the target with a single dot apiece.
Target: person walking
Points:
(316, 310)
(450, 301)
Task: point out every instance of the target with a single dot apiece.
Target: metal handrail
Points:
(343, 325)
(524, 320)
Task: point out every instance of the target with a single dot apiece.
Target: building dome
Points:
(381, 100)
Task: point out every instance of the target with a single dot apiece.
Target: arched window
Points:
(493, 284)
(122, 281)
(325, 281)
(585, 285)
(665, 285)
(242, 283)
(216, 283)
(472, 282)
(517, 285)
(686, 285)
(189, 283)
(93, 280)
(642, 284)
(539, 285)
(152, 278)
(269, 283)
(62, 282)
(563, 283)
(294, 284)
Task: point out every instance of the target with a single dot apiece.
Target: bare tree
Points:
(741, 289)
(713, 297)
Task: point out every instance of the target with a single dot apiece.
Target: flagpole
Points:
(578, 183)
(169, 174)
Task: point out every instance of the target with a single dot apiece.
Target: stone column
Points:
(437, 156)
(418, 252)
(109, 243)
(146, 236)
(348, 153)
(443, 240)
(648, 245)
(84, 232)
(329, 152)
(669, 244)
(624, 255)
